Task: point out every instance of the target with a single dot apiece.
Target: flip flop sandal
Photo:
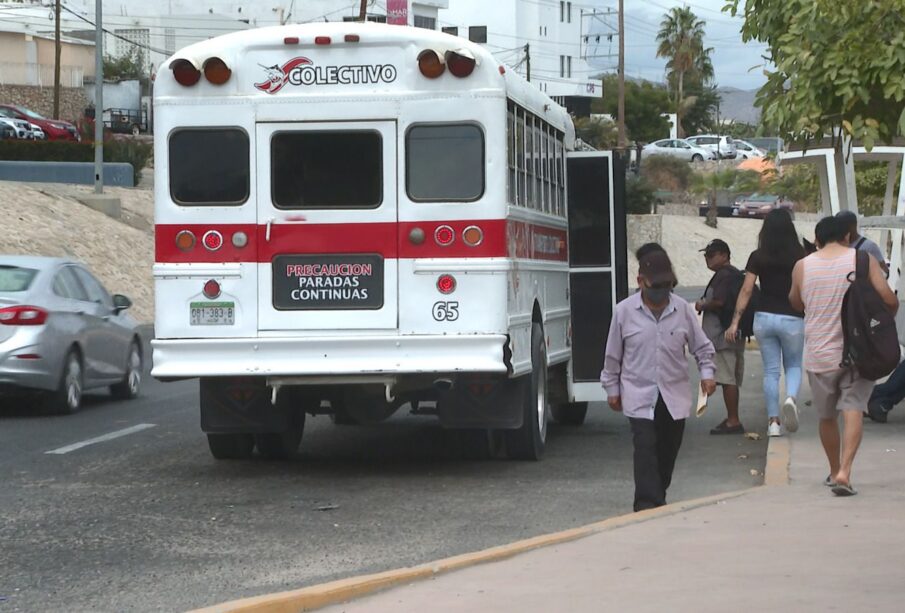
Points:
(829, 481)
(844, 489)
(722, 428)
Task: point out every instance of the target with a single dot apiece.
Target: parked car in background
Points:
(20, 127)
(61, 333)
(746, 150)
(7, 131)
(55, 129)
(722, 146)
(758, 205)
(38, 132)
(677, 148)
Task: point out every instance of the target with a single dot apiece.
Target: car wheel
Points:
(231, 446)
(130, 386)
(67, 398)
(697, 157)
(529, 441)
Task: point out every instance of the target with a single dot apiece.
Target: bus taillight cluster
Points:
(212, 240)
(461, 63)
(214, 69)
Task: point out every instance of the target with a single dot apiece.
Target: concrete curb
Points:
(779, 458)
(335, 592)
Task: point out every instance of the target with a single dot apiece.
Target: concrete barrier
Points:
(115, 174)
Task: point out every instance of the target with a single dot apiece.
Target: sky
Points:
(735, 63)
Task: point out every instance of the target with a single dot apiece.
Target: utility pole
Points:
(528, 61)
(621, 102)
(98, 97)
(57, 53)
(363, 12)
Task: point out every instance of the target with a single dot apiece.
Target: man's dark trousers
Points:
(657, 444)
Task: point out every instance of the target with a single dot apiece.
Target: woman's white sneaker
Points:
(774, 429)
(790, 414)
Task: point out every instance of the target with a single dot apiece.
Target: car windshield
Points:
(15, 279)
(28, 113)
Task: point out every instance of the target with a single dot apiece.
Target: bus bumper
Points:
(328, 356)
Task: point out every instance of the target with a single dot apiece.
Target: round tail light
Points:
(211, 289)
(461, 63)
(216, 71)
(430, 64)
(212, 240)
(185, 241)
(473, 236)
(185, 72)
(446, 284)
(444, 235)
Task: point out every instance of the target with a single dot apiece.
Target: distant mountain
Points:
(738, 105)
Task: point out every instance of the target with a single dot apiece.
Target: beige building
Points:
(27, 58)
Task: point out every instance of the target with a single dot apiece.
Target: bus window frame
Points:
(211, 203)
(432, 124)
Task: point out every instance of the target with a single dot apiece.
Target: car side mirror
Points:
(121, 303)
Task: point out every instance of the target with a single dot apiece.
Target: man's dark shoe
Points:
(877, 412)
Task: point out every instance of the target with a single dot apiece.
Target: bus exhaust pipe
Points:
(443, 385)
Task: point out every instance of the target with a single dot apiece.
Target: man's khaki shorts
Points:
(730, 366)
(839, 390)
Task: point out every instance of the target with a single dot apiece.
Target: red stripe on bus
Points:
(514, 239)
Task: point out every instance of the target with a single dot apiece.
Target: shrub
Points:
(639, 196)
(115, 150)
(667, 173)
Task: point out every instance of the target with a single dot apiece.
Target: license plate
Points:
(213, 313)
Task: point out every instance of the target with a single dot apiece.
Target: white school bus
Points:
(351, 218)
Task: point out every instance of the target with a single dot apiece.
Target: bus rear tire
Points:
(285, 444)
(231, 446)
(571, 413)
(529, 441)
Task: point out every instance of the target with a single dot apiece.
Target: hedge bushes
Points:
(115, 150)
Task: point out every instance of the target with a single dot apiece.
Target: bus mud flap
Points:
(482, 403)
(240, 405)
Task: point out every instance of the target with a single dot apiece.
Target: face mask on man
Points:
(656, 295)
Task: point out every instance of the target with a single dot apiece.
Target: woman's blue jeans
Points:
(781, 340)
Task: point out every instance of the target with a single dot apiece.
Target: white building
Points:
(540, 39)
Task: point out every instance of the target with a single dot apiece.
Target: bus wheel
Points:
(231, 446)
(528, 441)
(571, 413)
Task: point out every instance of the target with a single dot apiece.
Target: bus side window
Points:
(209, 166)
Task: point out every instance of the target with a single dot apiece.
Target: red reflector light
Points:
(212, 240)
(461, 63)
(23, 315)
(185, 72)
(291, 40)
(211, 289)
(352, 38)
(446, 284)
(430, 64)
(28, 356)
(185, 241)
(321, 40)
(444, 235)
(216, 71)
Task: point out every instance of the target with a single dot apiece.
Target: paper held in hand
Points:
(702, 403)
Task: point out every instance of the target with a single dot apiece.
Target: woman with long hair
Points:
(778, 328)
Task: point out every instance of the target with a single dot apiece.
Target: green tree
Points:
(729, 180)
(681, 41)
(839, 65)
(645, 104)
(599, 133)
(128, 66)
(798, 183)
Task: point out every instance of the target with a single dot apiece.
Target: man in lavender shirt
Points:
(645, 373)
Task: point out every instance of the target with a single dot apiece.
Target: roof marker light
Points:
(430, 64)
(216, 71)
(352, 38)
(291, 40)
(321, 40)
(461, 62)
(185, 72)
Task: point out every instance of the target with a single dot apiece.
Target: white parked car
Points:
(677, 148)
(722, 146)
(38, 132)
(746, 150)
(21, 127)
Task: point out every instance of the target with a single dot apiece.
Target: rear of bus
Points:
(330, 223)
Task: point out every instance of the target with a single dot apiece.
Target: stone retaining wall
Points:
(40, 100)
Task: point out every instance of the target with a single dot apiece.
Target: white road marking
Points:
(100, 439)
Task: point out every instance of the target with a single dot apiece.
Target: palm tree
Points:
(730, 180)
(681, 41)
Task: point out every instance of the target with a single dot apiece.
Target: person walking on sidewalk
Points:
(859, 242)
(645, 373)
(730, 354)
(887, 395)
(819, 283)
(778, 327)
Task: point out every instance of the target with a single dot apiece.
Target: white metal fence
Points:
(12, 73)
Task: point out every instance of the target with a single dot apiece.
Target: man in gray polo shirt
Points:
(862, 243)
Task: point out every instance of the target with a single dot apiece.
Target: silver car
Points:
(722, 146)
(62, 333)
(21, 127)
(679, 148)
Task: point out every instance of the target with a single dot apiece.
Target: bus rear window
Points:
(326, 170)
(209, 166)
(445, 162)
(16, 279)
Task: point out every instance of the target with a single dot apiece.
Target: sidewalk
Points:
(790, 547)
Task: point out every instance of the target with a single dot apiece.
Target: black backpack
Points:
(870, 342)
(746, 323)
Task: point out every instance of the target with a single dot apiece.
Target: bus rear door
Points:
(327, 231)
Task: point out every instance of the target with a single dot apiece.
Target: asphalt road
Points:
(149, 521)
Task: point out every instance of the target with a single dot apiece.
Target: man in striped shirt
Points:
(819, 283)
